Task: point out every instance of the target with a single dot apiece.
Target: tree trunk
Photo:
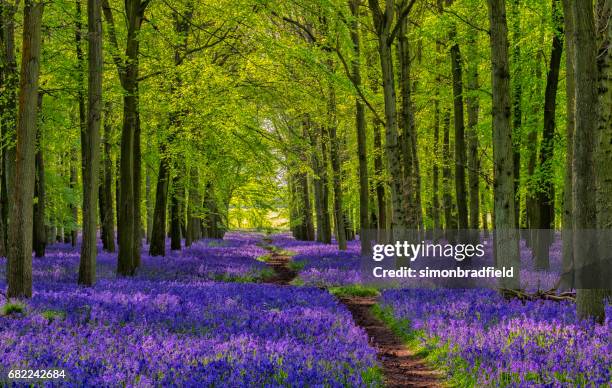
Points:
(364, 192)
(148, 198)
(604, 130)
(567, 279)
(506, 236)
(175, 214)
(157, 246)
(40, 236)
(383, 23)
(314, 138)
(589, 302)
(450, 223)
(546, 194)
(473, 161)
(19, 269)
(108, 223)
(407, 126)
(517, 112)
(604, 152)
(128, 210)
(435, 201)
(9, 109)
(90, 145)
(193, 222)
(326, 225)
(334, 152)
(459, 122)
(70, 234)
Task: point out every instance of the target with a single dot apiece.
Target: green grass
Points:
(264, 258)
(354, 290)
(296, 266)
(13, 308)
(373, 377)
(52, 315)
(253, 277)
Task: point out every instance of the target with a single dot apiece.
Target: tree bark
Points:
(108, 220)
(19, 270)
(40, 235)
(506, 235)
(567, 279)
(175, 214)
(193, 222)
(334, 152)
(158, 235)
(364, 222)
(9, 109)
(406, 124)
(546, 192)
(459, 122)
(473, 161)
(383, 26)
(90, 145)
(517, 112)
(450, 222)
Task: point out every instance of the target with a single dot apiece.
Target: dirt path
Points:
(283, 274)
(401, 366)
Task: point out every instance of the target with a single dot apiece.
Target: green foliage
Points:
(354, 290)
(11, 308)
(52, 315)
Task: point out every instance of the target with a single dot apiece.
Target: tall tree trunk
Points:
(70, 233)
(157, 245)
(193, 222)
(19, 269)
(148, 198)
(589, 302)
(383, 25)
(506, 235)
(316, 179)
(450, 223)
(435, 188)
(9, 109)
(406, 124)
(108, 220)
(459, 122)
(334, 152)
(517, 112)
(364, 222)
(604, 141)
(175, 214)
(326, 225)
(567, 254)
(473, 161)
(546, 193)
(128, 208)
(40, 236)
(90, 145)
(80, 78)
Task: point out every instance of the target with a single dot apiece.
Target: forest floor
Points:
(401, 366)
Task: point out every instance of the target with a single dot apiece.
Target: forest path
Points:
(401, 366)
(279, 262)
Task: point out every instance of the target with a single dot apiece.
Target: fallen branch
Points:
(545, 295)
